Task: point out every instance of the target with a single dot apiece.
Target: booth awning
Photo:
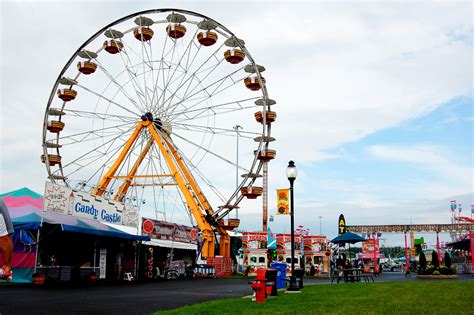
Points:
(33, 218)
(170, 244)
(98, 228)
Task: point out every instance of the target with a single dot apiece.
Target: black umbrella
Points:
(348, 237)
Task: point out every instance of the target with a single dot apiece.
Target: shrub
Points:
(447, 260)
(422, 262)
(445, 270)
(429, 270)
(434, 259)
(436, 273)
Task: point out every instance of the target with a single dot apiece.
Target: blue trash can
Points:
(281, 277)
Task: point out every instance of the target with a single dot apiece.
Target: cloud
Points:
(426, 156)
(338, 71)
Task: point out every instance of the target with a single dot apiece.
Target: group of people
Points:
(6, 242)
(342, 263)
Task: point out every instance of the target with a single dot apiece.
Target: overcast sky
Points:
(375, 99)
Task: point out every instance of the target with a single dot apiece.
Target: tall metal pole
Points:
(291, 173)
(293, 285)
(265, 197)
(236, 128)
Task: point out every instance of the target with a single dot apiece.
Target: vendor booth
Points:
(171, 246)
(65, 247)
(284, 250)
(254, 250)
(370, 255)
(316, 260)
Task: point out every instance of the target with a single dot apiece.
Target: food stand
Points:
(254, 250)
(370, 255)
(284, 250)
(315, 253)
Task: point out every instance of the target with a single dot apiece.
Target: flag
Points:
(271, 239)
(453, 205)
(472, 208)
(282, 201)
(460, 208)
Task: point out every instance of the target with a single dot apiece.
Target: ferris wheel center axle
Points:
(149, 117)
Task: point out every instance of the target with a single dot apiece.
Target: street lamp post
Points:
(291, 173)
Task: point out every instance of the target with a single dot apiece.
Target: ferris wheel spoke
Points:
(94, 131)
(210, 70)
(171, 107)
(194, 74)
(108, 100)
(211, 152)
(213, 113)
(96, 155)
(217, 131)
(216, 91)
(216, 107)
(118, 85)
(103, 116)
(128, 65)
(146, 62)
(185, 68)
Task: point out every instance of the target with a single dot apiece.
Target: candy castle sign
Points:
(64, 200)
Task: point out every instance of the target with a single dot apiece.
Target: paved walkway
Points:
(135, 298)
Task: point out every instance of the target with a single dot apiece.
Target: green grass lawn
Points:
(440, 297)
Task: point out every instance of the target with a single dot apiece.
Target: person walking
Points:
(6, 243)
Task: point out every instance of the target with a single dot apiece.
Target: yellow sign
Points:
(283, 201)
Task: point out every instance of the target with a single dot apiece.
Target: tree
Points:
(447, 260)
(434, 259)
(422, 262)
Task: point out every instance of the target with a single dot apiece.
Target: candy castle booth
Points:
(315, 254)
(65, 246)
(254, 250)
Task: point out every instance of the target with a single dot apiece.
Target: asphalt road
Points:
(135, 298)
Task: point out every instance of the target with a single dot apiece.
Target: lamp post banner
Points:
(282, 201)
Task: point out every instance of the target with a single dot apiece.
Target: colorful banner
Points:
(283, 201)
(163, 230)
(457, 227)
(271, 240)
(453, 205)
(64, 200)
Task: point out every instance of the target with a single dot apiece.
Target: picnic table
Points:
(351, 275)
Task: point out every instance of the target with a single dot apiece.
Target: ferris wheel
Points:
(145, 112)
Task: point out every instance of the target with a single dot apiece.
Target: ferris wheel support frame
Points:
(195, 199)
